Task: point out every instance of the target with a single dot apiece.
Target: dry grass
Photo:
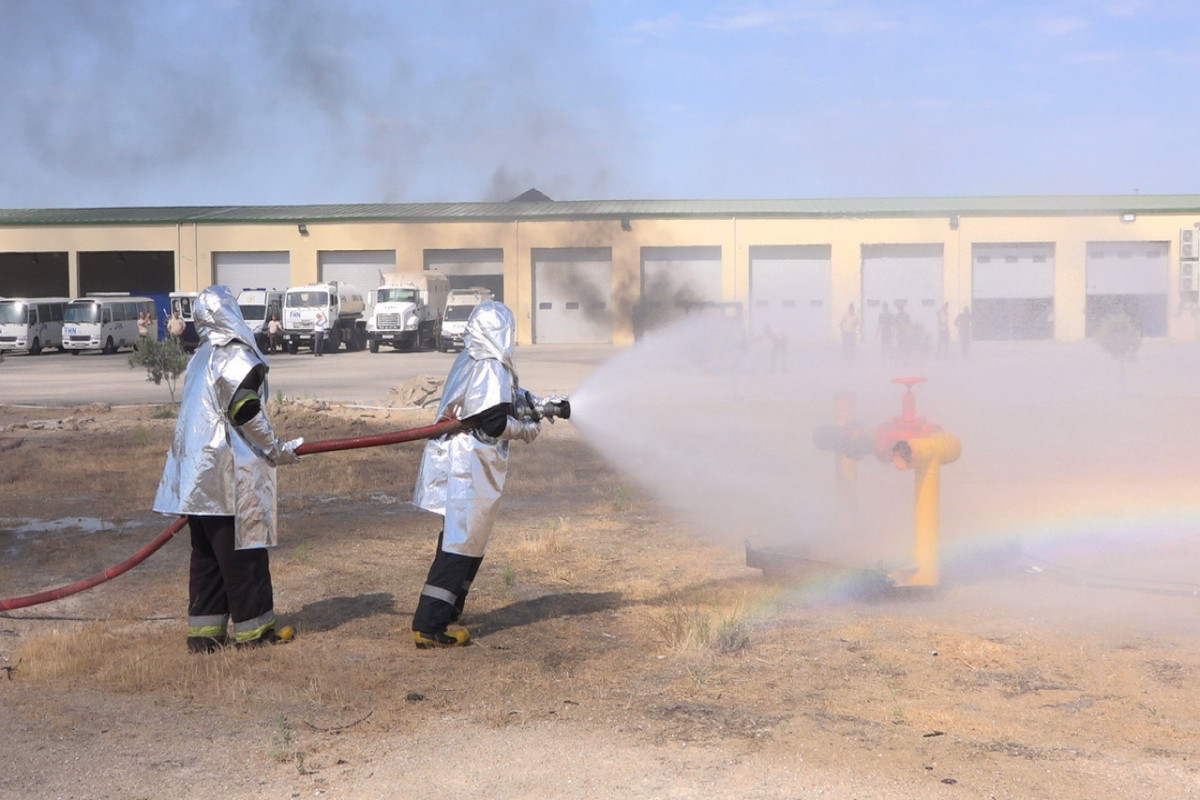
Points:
(594, 612)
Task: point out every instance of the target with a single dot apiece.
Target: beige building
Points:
(604, 271)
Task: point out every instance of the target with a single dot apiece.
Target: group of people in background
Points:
(899, 337)
(220, 473)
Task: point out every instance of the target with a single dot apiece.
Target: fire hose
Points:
(328, 445)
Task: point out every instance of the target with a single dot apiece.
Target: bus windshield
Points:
(12, 312)
(307, 299)
(81, 312)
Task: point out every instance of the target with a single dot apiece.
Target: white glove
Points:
(287, 452)
(524, 429)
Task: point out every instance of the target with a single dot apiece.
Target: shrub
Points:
(1120, 337)
(163, 361)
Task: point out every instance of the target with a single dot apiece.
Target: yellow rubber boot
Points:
(455, 638)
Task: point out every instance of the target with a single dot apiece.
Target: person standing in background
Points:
(319, 333)
(963, 322)
(851, 327)
(943, 343)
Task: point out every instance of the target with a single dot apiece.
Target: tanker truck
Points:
(340, 303)
(407, 311)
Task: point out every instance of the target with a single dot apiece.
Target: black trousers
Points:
(445, 591)
(223, 580)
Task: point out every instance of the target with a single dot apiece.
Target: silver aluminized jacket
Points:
(462, 474)
(215, 467)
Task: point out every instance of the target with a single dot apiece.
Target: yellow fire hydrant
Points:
(910, 442)
(925, 456)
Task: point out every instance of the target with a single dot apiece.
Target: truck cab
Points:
(338, 302)
(407, 311)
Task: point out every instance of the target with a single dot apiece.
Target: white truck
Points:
(459, 306)
(258, 306)
(338, 302)
(407, 311)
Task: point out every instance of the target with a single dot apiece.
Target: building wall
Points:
(195, 243)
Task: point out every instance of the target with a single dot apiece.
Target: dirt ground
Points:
(617, 652)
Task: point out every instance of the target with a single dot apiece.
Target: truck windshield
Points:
(253, 312)
(83, 312)
(458, 313)
(398, 295)
(307, 299)
(12, 312)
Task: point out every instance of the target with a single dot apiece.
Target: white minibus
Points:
(31, 323)
(106, 322)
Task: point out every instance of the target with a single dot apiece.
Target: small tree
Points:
(163, 361)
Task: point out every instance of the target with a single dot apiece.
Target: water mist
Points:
(1081, 466)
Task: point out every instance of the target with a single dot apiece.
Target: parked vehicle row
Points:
(96, 322)
(409, 311)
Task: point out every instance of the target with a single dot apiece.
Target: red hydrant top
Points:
(904, 427)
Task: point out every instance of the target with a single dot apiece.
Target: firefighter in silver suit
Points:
(220, 472)
(462, 474)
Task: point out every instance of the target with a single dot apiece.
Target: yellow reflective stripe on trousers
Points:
(211, 626)
(253, 629)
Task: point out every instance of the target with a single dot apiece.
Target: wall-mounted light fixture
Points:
(954, 222)
(1129, 216)
(626, 225)
(303, 229)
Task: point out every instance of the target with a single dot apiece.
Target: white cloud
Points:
(1060, 25)
(657, 27)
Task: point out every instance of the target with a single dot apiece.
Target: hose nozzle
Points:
(555, 405)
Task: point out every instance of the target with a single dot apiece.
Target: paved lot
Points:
(364, 378)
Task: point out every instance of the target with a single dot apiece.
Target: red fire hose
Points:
(352, 443)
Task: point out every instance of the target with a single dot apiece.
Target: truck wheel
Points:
(374, 345)
(109, 348)
(333, 340)
(36, 348)
(292, 347)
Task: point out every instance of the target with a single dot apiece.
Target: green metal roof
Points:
(1033, 205)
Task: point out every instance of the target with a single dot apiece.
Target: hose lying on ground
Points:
(329, 445)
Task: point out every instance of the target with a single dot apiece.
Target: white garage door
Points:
(363, 269)
(1131, 278)
(790, 287)
(253, 270)
(908, 275)
(674, 278)
(572, 295)
(470, 267)
(1127, 268)
(1012, 290)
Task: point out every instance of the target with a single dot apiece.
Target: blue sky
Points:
(249, 102)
